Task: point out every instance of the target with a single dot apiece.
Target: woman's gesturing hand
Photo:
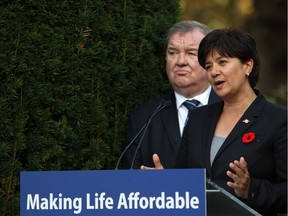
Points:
(241, 178)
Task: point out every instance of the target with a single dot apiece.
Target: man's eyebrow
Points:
(187, 49)
(192, 49)
(172, 48)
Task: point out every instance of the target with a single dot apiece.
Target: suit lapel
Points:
(210, 125)
(246, 121)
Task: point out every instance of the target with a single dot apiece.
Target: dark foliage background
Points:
(70, 72)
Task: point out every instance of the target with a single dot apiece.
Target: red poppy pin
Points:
(248, 137)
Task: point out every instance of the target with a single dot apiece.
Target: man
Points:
(188, 80)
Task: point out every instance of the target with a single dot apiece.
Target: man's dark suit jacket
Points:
(162, 136)
(266, 155)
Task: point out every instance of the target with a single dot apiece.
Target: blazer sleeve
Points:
(273, 195)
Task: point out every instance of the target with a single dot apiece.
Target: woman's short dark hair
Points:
(232, 43)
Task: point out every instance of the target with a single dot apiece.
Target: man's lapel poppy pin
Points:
(248, 137)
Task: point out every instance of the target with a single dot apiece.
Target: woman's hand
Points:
(157, 164)
(241, 178)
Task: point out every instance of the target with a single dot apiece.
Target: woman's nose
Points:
(214, 70)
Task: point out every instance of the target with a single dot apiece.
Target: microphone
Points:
(163, 104)
(157, 110)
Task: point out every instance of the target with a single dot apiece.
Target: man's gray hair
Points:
(186, 26)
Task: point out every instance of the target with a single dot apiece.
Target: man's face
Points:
(185, 74)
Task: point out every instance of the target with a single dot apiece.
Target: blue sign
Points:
(114, 192)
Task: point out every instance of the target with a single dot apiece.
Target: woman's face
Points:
(227, 75)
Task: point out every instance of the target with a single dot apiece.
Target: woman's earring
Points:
(247, 75)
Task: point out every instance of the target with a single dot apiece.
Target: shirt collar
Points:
(202, 98)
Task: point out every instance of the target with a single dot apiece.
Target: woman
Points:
(241, 141)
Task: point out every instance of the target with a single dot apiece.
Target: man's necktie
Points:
(190, 105)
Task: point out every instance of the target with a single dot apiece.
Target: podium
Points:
(126, 192)
(221, 202)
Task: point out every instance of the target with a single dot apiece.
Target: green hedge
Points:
(70, 72)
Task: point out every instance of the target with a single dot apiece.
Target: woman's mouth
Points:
(218, 84)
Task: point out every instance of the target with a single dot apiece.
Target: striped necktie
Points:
(190, 105)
